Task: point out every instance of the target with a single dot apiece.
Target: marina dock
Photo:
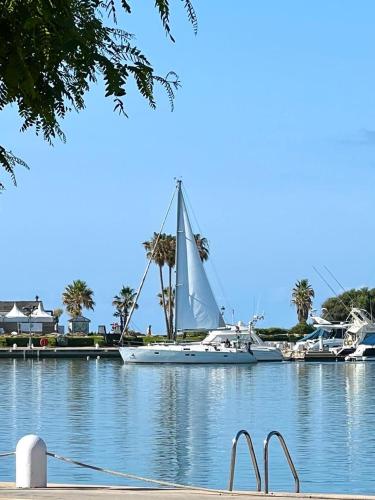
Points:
(312, 356)
(59, 352)
(73, 492)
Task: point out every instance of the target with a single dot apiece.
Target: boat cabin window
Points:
(338, 333)
(369, 339)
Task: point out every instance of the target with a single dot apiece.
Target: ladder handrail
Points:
(287, 455)
(252, 455)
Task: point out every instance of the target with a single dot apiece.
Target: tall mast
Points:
(178, 229)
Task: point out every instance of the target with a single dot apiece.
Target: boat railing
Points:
(252, 455)
(287, 455)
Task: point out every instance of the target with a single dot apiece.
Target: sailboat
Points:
(195, 310)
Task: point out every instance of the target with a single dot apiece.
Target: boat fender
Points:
(43, 342)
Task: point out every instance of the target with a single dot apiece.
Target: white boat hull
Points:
(360, 358)
(160, 354)
(364, 352)
(265, 353)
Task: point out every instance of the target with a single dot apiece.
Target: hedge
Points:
(53, 341)
(80, 341)
(23, 341)
(267, 334)
(271, 331)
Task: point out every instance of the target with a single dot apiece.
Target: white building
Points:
(25, 317)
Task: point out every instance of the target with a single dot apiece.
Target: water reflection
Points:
(184, 405)
(177, 422)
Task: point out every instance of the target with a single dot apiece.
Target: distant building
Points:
(25, 316)
(79, 324)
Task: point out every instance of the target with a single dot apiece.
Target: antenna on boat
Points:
(340, 285)
(333, 276)
(370, 308)
(325, 281)
(329, 286)
(134, 305)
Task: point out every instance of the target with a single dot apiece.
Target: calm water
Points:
(177, 422)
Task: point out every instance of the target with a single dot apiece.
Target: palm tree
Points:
(302, 295)
(168, 300)
(203, 247)
(76, 297)
(155, 249)
(123, 302)
(170, 260)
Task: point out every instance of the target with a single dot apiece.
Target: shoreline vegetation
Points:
(78, 296)
(161, 250)
(111, 340)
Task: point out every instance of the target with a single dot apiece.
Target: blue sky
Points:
(273, 134)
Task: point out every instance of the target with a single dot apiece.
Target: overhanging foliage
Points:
(51, 51)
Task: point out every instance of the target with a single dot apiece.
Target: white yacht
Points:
(235, 353)
(327, 335)
(223, 345)
(359, 343)
(197, 310)
(262, 350)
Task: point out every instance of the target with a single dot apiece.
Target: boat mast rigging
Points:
(128, 319)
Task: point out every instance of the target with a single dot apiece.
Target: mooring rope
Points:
(137, 478)
(133, 476)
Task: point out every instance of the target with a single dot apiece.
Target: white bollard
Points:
(31, 462)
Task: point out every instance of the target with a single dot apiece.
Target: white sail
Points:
(196, 308)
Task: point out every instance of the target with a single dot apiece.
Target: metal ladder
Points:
(265, 460)
(252, 455)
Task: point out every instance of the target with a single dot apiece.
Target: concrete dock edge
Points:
(97, 492)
